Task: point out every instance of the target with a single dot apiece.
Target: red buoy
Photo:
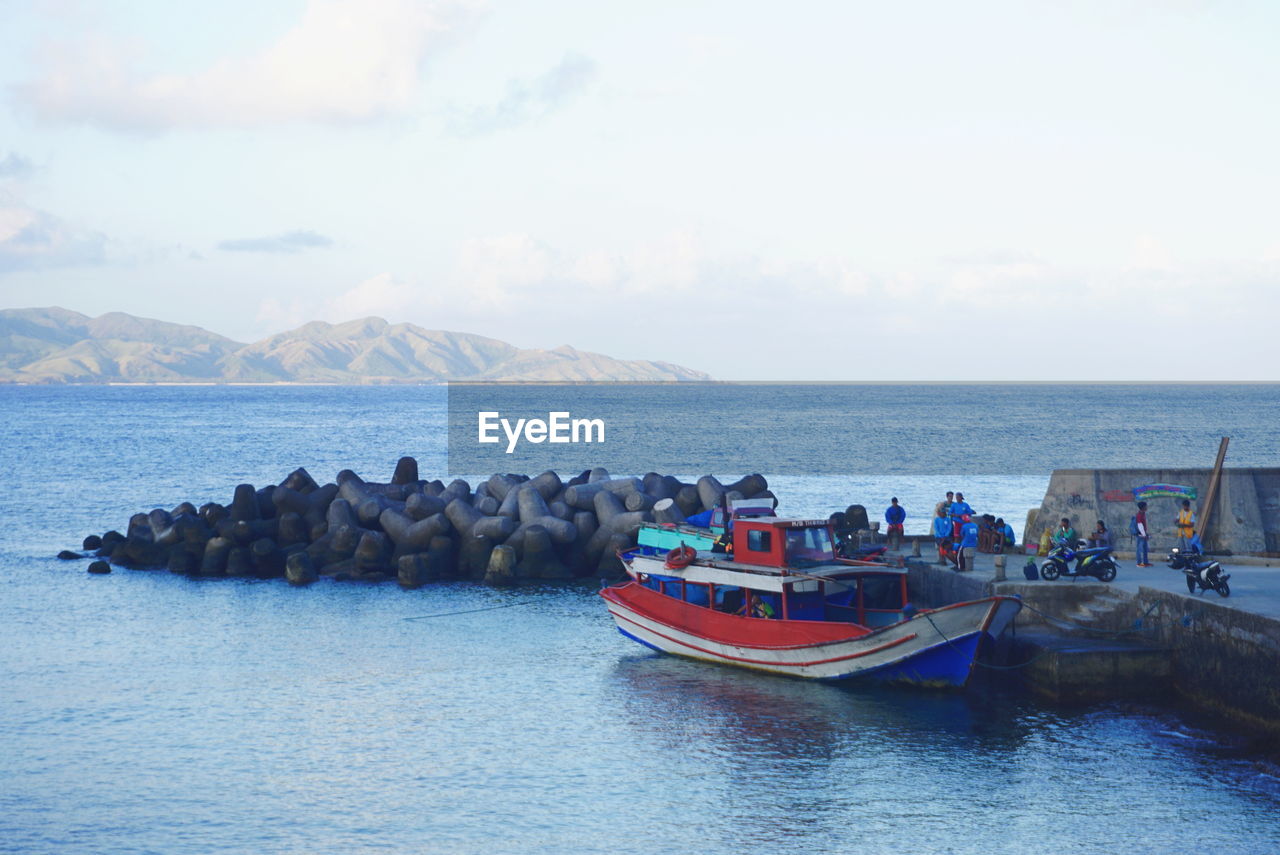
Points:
(680, 557)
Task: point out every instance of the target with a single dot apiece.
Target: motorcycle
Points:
(1096, 562)
(1200, 572)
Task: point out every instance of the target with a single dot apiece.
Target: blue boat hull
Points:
(934, 648)
(948, 664)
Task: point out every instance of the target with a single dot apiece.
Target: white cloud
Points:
(382, 296)
(1023, 283)
(1150, 253)
(31, 239)
(528, 100)
(597, 269)
(275, 315)
(502, 270)
(515, 276)
(346, 61)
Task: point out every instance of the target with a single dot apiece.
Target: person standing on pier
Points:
(1186, 524)
(895, 515)
(968, 548)
(1142, 535)
(941, 532)
(960, 512)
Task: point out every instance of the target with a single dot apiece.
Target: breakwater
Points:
(505, 529)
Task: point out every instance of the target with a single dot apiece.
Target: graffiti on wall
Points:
(1163, 491)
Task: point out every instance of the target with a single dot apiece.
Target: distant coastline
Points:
(52, 345)
(380, 381)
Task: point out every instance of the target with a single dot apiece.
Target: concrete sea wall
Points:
(1104, 643)
(1246, 517)
(1225, 660)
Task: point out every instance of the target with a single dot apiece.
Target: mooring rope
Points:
(470, 611)
(1045, 652)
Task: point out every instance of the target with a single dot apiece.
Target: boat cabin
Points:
(783, 543)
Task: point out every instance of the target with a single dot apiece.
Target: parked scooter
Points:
(1096, 562)
(1202, 573)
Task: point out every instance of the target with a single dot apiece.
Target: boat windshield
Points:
(807, 546)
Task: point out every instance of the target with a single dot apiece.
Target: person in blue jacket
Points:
(956, 512)
(941, 532)
(1006, 531)
(894, 515)
(968, 544)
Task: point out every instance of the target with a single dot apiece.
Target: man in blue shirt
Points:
(968, 544)
(1006, 532)
(956, 512)
(941, 533)
(894, 515)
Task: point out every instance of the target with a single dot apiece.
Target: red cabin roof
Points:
(764, 541)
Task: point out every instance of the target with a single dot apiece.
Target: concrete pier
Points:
(1142, 636)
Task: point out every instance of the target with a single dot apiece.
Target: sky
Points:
(807, 191)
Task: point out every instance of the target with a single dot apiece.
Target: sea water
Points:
(147, 712)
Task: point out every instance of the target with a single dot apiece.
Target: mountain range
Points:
(55, 345)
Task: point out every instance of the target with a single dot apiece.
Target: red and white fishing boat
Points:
(781, 601)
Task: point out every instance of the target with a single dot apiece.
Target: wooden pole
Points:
(1211, 495)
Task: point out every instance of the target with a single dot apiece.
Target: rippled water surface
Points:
(146, 712)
